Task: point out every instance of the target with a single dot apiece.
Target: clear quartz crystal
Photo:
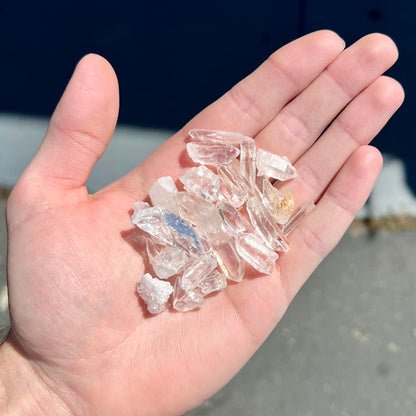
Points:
(154, 292)
(151, 249)
(248, 160)
(234, 222)
(304, 210)
(186, 300)
(139, 205)
(279, 204)
(274, 166)
(209, 153)
(163, 193)
(202, 182)
(252, 249)
(218, 136)
(168, 262)
(196, 271)
(232, 188)
(230, 263)
(213, 282)
(198, 211)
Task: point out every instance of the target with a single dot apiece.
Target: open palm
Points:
(81, 341)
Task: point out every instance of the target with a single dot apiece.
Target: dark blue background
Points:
(172, 59)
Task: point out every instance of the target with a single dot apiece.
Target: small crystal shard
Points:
(273, 166)
(232, 188)
(213, 282)
(234, 222)
(280, 204)
(304, 210)
(252, 249)
(163, 193)
(154, 292)
(137, 206)
(196, 271)
(208, 153)
(218, 136)
(248, 161)
(168, 262)
(202, 182)
(186, 300)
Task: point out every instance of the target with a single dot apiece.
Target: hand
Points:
(81, 343)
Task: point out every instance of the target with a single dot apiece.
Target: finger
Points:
(360, 121)
(322, 229)
(81, 126)
(248, 106)
(300, 123)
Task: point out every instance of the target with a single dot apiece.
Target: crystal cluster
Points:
(227, 214)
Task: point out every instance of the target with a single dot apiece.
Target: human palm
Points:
(79, 331)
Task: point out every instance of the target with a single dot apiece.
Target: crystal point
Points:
(186, 300)
(202, 182)
(274, 166)
(218, 136)
(154, 292)
(213, 282)
(163, 193)
(208, 153)
(168, 262)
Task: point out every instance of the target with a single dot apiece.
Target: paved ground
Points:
(346, 346)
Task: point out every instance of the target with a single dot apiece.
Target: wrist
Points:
(22, 390)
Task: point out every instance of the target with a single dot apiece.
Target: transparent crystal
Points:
(213, 282)
(154, 292)
(209, 153)
(139, 205)
(248, 161)
(274, 166)
(230, 263)
(279, 204)
(186, 300)
(198, 211)
(197, 270)
(168, 262)
(167, 228)
(151, 249)
(234, 222)
(217, 136)
(252, 249)
(232, 187)
(202, 182)
(163, 193)
(304, 210)
(265, 226)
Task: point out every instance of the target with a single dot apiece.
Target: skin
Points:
(82, 342)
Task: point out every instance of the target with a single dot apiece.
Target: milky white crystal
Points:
(163, 193)
(208, 153)
(154, 292)
(202, 182)
(274, 166)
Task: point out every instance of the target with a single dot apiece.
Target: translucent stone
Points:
(151, 250)
(217, 136)
(198, 212)
(304, 210)
(209, 153)
(169, 261)
(167, 228)
(154, 292)
(274, 166)
(234, 222)
(202, 182)
(252, 249)
(163, 193)
(280, 204)
(139, 205)
(196, 271)
(186, 300)
(230, 263)
(248, 161)
(213, 282)
(266, 226)
(232, 187)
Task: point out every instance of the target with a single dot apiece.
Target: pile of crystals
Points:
(201, 237)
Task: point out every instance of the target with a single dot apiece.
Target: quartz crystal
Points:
(186, 300)
(168, 262)
(273, 166)
(252, 249)
(154, 292)
(208, 153)
(201, 236)
(163, 193)
(202, 182)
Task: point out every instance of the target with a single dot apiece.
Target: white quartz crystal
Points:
(154, 292)
(163, 193)
(168, 262)
(202, 182)
(208, 153)
(273, 166)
